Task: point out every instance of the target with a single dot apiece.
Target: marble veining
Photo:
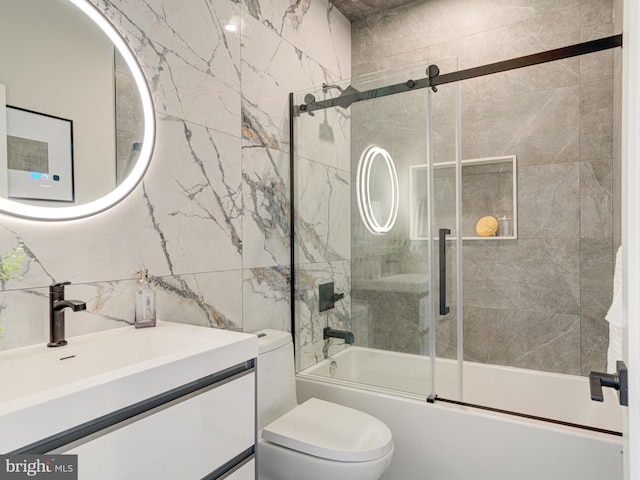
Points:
(207, 299)
(272, 68)
(266, 221)
(187, 55)
(323, 217)
(310, 322)
(211, 218)
(266, 293)
(530, 340)
(302, 23)
(201, 197)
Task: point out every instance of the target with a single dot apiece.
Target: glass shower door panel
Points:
(445, 239)
(536, 300)
(384, 272)
(320, 172)
(390, 277)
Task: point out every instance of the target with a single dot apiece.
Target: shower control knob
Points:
(335, 297)
(328, 297)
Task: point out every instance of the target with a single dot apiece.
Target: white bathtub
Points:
(443, 441)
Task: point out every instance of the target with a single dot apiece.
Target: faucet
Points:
(330, 332)
(57, 304)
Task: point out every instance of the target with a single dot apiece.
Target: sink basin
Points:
(48, 390)
(86, 356)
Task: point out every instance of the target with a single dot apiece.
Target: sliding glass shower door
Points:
(467, 233)
(445, 241)
(389, 294)
(532, 190)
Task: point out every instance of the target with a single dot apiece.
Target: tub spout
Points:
(331, 333)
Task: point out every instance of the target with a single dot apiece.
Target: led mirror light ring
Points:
(363, 179)
(144, 157)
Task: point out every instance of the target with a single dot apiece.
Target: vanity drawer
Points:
(188, 438)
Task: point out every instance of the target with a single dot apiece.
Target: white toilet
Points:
(317, 440)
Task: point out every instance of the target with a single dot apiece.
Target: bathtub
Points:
(446, 441)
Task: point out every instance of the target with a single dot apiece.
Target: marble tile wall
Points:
(211, 219)
(537, 302)
(323, 222)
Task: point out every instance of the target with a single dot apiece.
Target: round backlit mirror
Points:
(377, 190)
(77, 124)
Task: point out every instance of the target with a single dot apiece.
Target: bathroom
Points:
(211, 218)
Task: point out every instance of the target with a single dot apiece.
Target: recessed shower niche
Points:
(489, 189)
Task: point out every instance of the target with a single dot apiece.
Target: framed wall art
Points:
(39, 156)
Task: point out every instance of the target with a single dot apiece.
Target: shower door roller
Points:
(617, 380)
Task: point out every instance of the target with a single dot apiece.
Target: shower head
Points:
(325, 129)
(343, 100)
(349, 91)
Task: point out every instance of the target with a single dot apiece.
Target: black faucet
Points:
(57, 304)
(330, 332)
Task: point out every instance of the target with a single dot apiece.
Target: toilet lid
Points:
(330, 431)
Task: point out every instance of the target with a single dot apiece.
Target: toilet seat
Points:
(330, 431)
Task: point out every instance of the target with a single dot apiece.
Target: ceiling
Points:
(356, 10)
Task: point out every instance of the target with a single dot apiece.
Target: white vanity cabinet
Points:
(174, 402)
(205, 434)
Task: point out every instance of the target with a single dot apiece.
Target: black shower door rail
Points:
(434, 78)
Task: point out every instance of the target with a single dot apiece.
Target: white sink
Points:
(48, 390)
(42, 369)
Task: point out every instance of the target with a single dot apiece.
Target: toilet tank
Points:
(276, 376)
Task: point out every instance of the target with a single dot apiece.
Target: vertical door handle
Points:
(444, 309)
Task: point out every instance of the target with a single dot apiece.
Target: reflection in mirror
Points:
(377, 190)
(68, 78)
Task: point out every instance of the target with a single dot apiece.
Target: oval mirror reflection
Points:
(377, 190)
(79, 125)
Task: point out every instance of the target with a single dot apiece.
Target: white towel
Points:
(615, 318)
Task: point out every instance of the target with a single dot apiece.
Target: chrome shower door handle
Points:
(444, 309)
